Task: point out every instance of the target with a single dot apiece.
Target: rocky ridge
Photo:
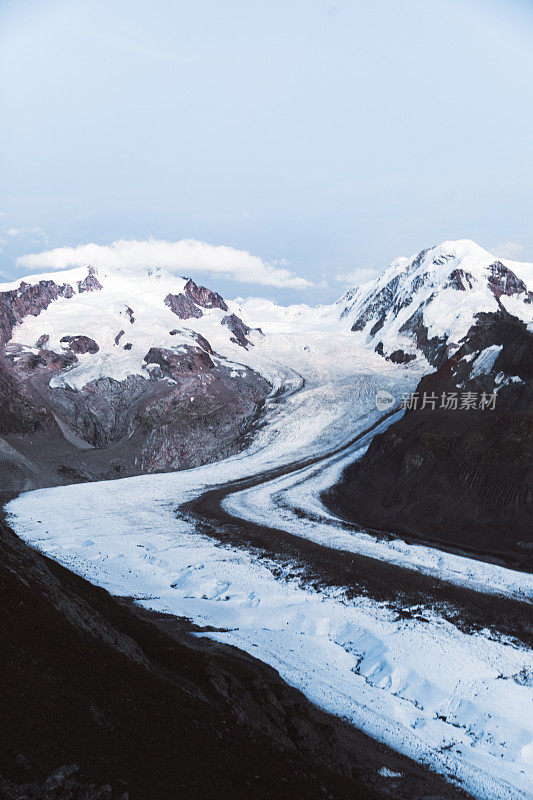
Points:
(424, 305)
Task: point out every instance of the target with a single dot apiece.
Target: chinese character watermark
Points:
(449, 401)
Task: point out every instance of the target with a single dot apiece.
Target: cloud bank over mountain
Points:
(186, 255)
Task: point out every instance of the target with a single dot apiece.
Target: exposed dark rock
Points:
(378, 325)
(459, 279)
(503, 281)
(187, 411)
(127, 346)
(27, 362)
(65, 783)
(119, 336)
(239, 330)
(381, 302)
(434, 349)
(400, 357)
(101, 413)
(28, 299)
(464, 476)
(183, 306)
(90, 283)
(204, 297)
(128, 312)
(18, 410)
(176, 363)
(42, 340)
(80, 344)
(200, 340)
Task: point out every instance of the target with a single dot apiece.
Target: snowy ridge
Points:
(428, 302)
(130, 300)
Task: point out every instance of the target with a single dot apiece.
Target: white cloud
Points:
(508, 250)
(13, 231)
(357, 276)
(184, 256)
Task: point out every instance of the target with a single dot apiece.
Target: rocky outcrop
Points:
(179, 363)
(186, 305)
(26, 362)
(239, 330)
(187, 410)
(198, 338)
(80, 344)
(400, 357)
(28, 299)
(457, 468)
(42, 340)
(90, 283)
(183, 306)
(18, 411)
(435, 348)
(502, 281)
(128, 312)
(460, 279)
(204, 297)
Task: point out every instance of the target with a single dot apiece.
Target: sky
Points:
(286, 148)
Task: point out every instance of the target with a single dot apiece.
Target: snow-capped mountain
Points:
(123, 313)
(108, 373)
(427, 303)
(112, 372)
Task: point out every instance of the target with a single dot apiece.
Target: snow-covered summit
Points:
(124, 312)
(428, 302)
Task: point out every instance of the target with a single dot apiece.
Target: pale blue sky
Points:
(333, 135)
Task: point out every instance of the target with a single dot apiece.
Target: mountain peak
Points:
(426, 303)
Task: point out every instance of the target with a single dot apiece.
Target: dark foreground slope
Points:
(150, 712)
(461, 477)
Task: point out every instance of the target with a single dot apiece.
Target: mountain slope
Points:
(426, 304)
(451, 470)
(114, 375)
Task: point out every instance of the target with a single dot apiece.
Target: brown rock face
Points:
(504, 282)
(176, 364)
(204, 297)
(17, 412)
(182, 306)
(186, 304)
(460, 279)
(28, 299)
(27, 362)
(90, 283)
(129, 314)
(42, 340)
(239, 330)
(80, 344)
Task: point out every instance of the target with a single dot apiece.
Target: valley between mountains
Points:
(227, 463)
